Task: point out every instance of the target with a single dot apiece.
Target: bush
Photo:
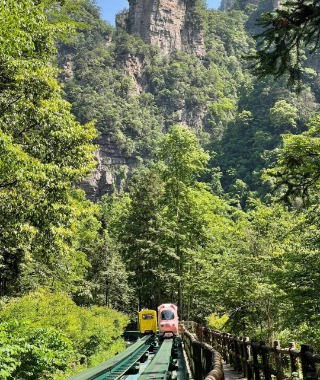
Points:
(44, 332)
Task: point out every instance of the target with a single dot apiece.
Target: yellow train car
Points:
(147, 321)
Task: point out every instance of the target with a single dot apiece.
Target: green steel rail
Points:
(158, 369)
(117, 366)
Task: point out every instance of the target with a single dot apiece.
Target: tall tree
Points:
(44, 151)
(141, 234)
(184, 160)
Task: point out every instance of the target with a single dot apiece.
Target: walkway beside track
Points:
(231, 374)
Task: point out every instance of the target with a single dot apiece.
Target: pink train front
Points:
(168, 319)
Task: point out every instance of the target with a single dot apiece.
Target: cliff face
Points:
(169, 24)
(109, 160)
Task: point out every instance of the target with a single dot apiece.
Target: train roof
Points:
(167, 306)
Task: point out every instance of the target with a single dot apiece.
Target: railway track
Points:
(146, 359)
(159, 367)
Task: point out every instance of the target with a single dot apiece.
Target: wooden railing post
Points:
(265, 361)
(212, 338)
(237, 365)
(230, 349)
(220, 341)
(247, 358)
(206, 335)
(208, 355)
(197, 360)
(277, 356)
(256, 360)
(243, 356)
(308, 368)
(254, 348)
(225, 345)
(293, 358)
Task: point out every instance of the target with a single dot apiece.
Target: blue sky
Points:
(109, 8)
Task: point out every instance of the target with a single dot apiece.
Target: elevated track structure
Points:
(119, 365)
(146, 359)
(210, 355)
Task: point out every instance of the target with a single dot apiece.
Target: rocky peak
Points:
(169, 24)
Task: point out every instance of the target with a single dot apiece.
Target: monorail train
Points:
(168, 319)
(147, 321)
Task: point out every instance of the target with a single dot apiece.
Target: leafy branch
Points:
(288, 31)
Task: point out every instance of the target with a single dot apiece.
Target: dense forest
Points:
(213, 202)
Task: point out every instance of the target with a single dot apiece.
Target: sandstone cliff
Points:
(169, 24)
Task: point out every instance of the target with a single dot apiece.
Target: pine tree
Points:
(289, 30)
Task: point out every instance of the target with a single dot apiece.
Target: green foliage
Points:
(44, 151)
(165, 237)
(296, 172)
(216, 322)
(107, 276)
(100, 90)
(44, 332)
(288, 30)
(168, 227)
(32, 353)
(184, 160)
(141, 232)
(183, 157)
(167, 224)
(248, 146)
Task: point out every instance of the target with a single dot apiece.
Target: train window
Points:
(167, 315)
(147, 316)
